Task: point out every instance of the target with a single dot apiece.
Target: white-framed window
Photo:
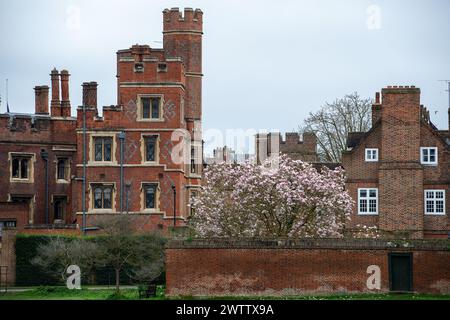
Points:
(429, 155)
(150, 107)
(367, 201)
(434, 202)
(371, 154)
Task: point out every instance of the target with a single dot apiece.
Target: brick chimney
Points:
(41, 99)
(55, 104)
(376, 108)
(65, 101)
(90, 94)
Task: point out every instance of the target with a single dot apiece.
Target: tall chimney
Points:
(90, 94)
(55, 104)
(65, 101)
(41, 99)
(376, 108)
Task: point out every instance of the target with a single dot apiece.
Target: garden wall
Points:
(268, 267)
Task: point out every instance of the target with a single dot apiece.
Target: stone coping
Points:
(356, 244)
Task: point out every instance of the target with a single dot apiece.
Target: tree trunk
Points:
(117, 280)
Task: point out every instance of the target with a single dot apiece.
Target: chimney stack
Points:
(376, 109)
(41, 99)
(55, 104)
(65, 101)
(90, 94)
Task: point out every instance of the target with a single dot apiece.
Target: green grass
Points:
(61, 293)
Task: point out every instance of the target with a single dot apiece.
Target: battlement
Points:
(190, 20)
(400, 89)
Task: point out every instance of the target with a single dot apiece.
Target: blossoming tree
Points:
(290, 200)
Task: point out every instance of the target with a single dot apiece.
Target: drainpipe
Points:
(83, 192)
(121, 138)
(44, 156)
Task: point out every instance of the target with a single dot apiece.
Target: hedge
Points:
(28, 274)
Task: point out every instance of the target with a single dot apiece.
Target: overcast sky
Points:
(267, 64)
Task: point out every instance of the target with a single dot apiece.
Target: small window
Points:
(194, 194)
(429, 155)
(62, 169)
(193, 167)
(102, 197)
(150, 195)
(162, 67)
(20, 167)
(7, 224)
(139, 67)
(59, 207)
(434, 202)
(150, 148)
(367, 201)
(371, 155)
(151, 107)
(102, 148)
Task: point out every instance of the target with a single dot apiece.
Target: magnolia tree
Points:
(290, 199)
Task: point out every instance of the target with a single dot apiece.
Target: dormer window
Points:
(371, 154)
(429, 155)
(139, 67)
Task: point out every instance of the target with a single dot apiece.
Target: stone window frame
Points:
(7, 221)
(195, 157)
(32, 161)
(191, 191)
(367, 198)
(144, 146)
(92, 208)
(67, 170)
(100, 134)
(427, 198)
(429, 163)
(371, 151)
(156, 209)
(54, 198)
(140, 107)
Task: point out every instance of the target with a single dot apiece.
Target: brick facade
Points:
(400, 128)
(269, 268)
(170, 77)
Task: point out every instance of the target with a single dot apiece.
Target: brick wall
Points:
(8, 256)
(217, 268)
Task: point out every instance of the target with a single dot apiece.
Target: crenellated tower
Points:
(182, 35)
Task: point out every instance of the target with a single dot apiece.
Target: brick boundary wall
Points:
(8, 256)
(296, 267)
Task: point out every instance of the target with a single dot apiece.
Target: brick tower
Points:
(158, 103)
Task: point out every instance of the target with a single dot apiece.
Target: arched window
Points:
(61, 169)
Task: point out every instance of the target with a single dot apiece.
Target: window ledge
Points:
(435, 214)
(150, 163)
(63, 181)
(367, 214)
(151, 120)
(20, 180)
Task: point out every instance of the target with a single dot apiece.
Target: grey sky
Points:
(267, 64)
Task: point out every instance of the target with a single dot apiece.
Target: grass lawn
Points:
(61, 293)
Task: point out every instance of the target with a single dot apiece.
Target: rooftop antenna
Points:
(7, 101)
(448, 90)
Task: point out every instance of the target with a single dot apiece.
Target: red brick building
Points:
(38, 152)
(398, 172)
(158, 118)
